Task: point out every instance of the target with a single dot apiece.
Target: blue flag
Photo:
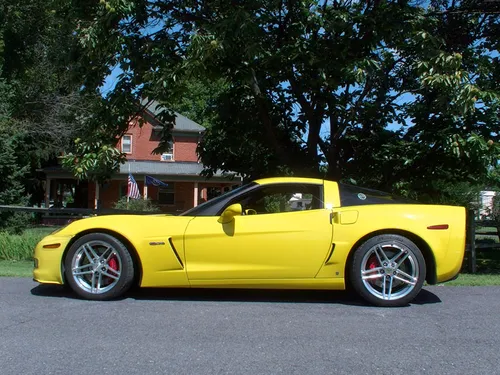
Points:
(151, 181)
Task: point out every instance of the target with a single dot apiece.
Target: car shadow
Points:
(236, 295)
(425, 297)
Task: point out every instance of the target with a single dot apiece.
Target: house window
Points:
(166, 195)
(168, 155)
(127, 144)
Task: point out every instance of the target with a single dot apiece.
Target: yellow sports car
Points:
(294, 233)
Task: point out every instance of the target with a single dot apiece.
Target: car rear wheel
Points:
(99, 267)
(388, 270)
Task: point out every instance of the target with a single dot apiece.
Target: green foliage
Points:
(198, 102)
(14, 170)
(38, 104)
(20, 246)
(15, 222)
(495, 214)
(456, 194)
(136, 205)
(393, 94)
(94, 161)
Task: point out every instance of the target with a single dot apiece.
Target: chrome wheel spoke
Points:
(396, 259)
(92, 251)
(373, 273)
(81, 273)
(405, 278)
(92, 286)
(104, 255)
(91, 269)
(380, 251)
(384, 288)
(389, 291)
(83, 270)
(115, 277)
(90, 258)
(113, 271)
(396, 274)
(99, 281)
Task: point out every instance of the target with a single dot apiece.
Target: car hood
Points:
(130, 226)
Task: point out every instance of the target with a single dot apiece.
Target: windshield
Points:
(211, 207)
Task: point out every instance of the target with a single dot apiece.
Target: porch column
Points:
(96, 199)
(145, 191)
(47, 193)
(195, 200)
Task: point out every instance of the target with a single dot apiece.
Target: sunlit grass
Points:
(468, 279)
(16, 268)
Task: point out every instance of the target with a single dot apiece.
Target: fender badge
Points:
(157, 243)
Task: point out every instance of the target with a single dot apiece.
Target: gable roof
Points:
(182, 123)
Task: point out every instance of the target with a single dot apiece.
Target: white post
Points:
(96, 200)
(195, 200)
(145, 190)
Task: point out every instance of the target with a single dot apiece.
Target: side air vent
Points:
(175, 252)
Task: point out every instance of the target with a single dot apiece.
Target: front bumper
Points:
(48, 259)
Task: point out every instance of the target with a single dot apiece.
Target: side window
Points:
(280, 198)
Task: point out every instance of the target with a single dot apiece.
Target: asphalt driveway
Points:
(45, 330)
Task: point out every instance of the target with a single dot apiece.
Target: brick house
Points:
(179, 168)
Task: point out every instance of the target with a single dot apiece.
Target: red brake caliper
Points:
(113, 263)
(372, 262)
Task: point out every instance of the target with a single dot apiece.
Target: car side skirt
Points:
(324, 283)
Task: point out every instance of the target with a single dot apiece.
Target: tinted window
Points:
(280, 198)
(351, 195)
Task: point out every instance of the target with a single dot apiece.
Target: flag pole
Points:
(128, 196)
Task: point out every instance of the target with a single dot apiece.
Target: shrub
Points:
(15, 222)
(21, 246)
(458, 194)
(136, 205)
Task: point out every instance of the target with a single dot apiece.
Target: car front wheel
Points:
(387, 270)
(99, 267)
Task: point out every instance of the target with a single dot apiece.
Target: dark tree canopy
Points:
(397, 94)
(312, 86)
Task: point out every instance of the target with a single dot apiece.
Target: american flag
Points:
(132, 188)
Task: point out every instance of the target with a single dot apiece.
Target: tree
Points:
(38, 99)
(312, 85)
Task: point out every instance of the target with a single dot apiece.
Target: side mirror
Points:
(229, 213)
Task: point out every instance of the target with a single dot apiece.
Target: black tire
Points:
(99, 267)
(387, 270)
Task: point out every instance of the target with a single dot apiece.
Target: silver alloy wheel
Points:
(96, 267)
(389, 271)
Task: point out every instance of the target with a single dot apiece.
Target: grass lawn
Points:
(468, 279)
(22, 268)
